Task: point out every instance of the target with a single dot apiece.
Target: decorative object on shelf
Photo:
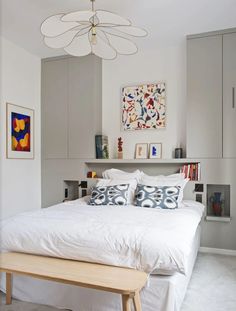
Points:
(120, 148)
(192, 171)
(102, 150)
(178, 153)
(216, 202)
(98, 32)
(20, 132)
(91, 174)
(155, 151)
(144, 106)
(141, 151)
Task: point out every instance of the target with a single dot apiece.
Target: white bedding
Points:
(151, 240)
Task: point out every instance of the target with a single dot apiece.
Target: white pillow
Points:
(161, 182)
(173, 177)
(119, 174)
(113, 182)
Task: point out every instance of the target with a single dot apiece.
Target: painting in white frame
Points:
(144, 106)
(155, 151)
(141, 151)
(20, 132)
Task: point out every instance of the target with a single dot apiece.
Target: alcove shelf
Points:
(141, 161)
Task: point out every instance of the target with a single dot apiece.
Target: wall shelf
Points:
(141, 161)
(218, 218)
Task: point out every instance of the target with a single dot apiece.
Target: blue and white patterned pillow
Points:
(157, 197)
(110, 195)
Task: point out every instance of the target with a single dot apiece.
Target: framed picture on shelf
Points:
(155, 151)
(141, 151)
(20, 132)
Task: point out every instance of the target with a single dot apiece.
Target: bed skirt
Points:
(162, 293)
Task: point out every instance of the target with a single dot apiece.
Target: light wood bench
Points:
(123, 281)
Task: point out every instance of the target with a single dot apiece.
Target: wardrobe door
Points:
(204, 97)
(229, 95)
(54, 108)
(84, 106)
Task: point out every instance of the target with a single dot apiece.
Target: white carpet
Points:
(212, 287)
(213, 284)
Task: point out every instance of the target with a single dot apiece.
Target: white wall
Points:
(20, 85)
(164, 64)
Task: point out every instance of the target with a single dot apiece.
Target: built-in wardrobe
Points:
(211, 130)
(211, 102)
(71, 116)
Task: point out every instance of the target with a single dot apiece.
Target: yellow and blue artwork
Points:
(20, 132)
(144, 106)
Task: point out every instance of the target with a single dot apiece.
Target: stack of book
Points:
(192, 171)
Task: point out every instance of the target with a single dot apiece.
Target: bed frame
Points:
(123, 281)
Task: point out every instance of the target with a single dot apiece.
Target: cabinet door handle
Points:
(233, 97)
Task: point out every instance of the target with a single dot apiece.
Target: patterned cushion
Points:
(110, 195)
(157, 197)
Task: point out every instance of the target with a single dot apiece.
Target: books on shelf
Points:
(192, 171)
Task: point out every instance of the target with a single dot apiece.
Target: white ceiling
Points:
(167, 21)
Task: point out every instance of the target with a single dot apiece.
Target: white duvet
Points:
(152, 240)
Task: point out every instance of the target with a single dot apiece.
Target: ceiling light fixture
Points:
(98, 32)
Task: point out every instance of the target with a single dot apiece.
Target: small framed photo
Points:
(141, 151)
(20, 132)
(155, 151)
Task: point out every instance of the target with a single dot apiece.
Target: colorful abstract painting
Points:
(144, 106)
(20, 132)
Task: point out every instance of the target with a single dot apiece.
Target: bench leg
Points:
(137, 302)
(8, 288)
(126, 302)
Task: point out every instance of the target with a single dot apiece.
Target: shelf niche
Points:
(218, 203)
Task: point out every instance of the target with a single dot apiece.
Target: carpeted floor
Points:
(212, 287)
(213, 284)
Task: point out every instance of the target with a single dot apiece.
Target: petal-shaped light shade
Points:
(53, 26)
(103, 50)
(132, 31)
(80, 46)
(123, 31)
(60, 41)
(122, 45)
(111, 18)
(78, 16)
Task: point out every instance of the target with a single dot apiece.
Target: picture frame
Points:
(141, 151)
(19, 132)
(143, 106)
(155, 150)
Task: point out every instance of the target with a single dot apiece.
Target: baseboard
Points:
(219, 251)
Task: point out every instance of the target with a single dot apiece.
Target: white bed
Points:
(156, 241)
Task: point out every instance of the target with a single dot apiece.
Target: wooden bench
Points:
(123, 281)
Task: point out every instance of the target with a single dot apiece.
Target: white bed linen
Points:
(151, 240)
(162, 293)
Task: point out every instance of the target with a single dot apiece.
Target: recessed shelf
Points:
(218, 202)
(141, 161)
(218, 218)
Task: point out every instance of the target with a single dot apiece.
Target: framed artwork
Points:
(141, 151)
(155, 151)
(20, 132)
(144, 106)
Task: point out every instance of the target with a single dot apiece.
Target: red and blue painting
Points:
(144, 106)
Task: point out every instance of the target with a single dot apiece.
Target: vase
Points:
(216, 203)
(120, 155)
